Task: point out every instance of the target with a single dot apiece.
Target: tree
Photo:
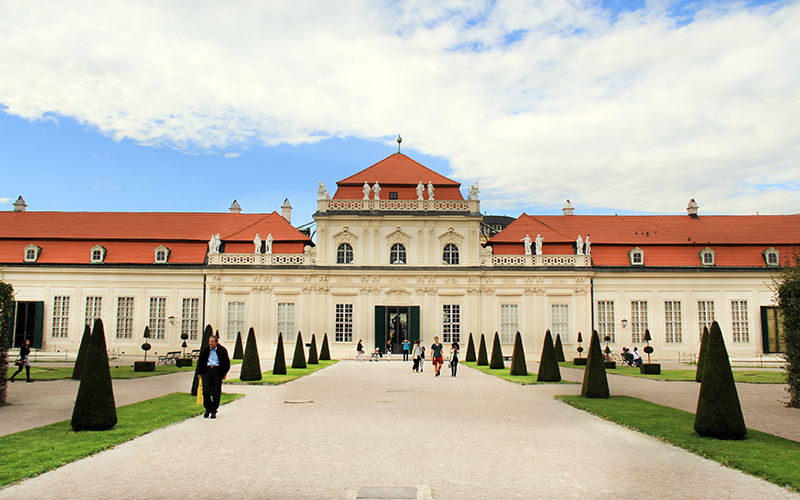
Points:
(497, 354)
(325, 352)
(719, 412)
(279, 367)
(559, 349)
(251, 365)
(80, 360)
(595, 381)
(312, 351)
(6, 309)
(701, 358)
(470, 349)
(787, 287)
(299, 358)
(238, 349)
(549, 370)
(518, 364)
(146, 345)
(483, 357)
(95, 409)
(207, 333)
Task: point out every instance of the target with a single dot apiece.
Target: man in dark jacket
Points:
(213, 365)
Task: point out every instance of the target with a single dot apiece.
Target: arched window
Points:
(398, 254)
(707, 257)
(344, 254)
(450, 254)
(161, 256)
(636, 257)
(98, 254)
(32, 253)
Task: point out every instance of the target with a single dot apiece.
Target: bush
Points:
(312, 351)
(251, 365)
(787, 286)
(518, 364)
(548, 363)
(279, 367)
(698, 374)
(719, 413)
(325, 352)
(95, 409)
(559, 349)
(207, 333)
(483, 357)
(238, 349)
(470, 349)
(77, 370)
(299, 358)
(6, 310)
(497, 354)
(595, 381)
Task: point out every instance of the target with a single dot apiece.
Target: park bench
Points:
(169, 358)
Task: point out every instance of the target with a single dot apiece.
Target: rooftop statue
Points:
(269, 243)
(366, 190)
(473, 191)
(579, 245)
(430, 190)
(377, 190)
(527, 241)
(539, 241)
(420, 190)
(257, 243)
(322, 192)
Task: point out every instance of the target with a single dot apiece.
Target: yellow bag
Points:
(200, 391)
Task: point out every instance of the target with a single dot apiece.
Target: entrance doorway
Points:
(26, 324)
(394, 324)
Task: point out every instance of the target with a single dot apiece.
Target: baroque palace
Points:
(399, 253)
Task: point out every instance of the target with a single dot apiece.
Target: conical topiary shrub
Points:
(207, 333)
(698, 374)
(595, 381)
(325, 351)
(518, 364)
(312, 351)
(483, 356)
(497, 354)
(549, 371)
(279, 367)
(719, 413)
(559, 349)
(238, 349)
(77, 370)
(299, 358)
(95, 409)
(470, 349)
(251, 364)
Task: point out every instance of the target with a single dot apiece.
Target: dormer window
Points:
(98, 254)
(771, 257)
(32, 253)
(636, 257)
(392, 195)
(162, 254)
(706, 257)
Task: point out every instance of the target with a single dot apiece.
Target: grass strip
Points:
(35, 451)
(120, 372)
(505, 374)
(742, 376)
(267, 378)
(769, 457)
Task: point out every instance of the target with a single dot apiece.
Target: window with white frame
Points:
(158, 318)
(606, 323)
(673, 322)
(559, 321)
(235, 319)
(125, 317)
(32, 253)
(94, 310)
(638, 320)
(98, 254)
(509, 322)
(397, 255)
(450, 254)
(344, 323)
(451, 323)
(705, 316)
(161, 254)
(190, 317)
(707, 256)
(286, 311)
(771, 257)
(60, 317)
(739, 322)
(344, 254)
(636, 257)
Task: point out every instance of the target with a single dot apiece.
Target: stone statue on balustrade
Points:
(430, 190)
(257, 243)
(269, 243)
(473, 191)
(579, 245)
(539, 241)
(377, 190)
(588, 244)
(420, 190)
(322, 192)
(366, 190)
(214, 243)
(527, 241)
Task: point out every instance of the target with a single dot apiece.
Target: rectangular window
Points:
(673, 322)
(509, 322)
(739, 323)
(190, 313)
(94, 310)
(638, 320)
(124, 317)
(60, 317)
(344, 323)
(451, 323)
(606, 324)
(235, 320)
(158, 318)
(559, 321)
(286, 320)
(705, 316)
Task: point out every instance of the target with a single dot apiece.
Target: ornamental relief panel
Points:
(398, 236)
(287, 279)
(397, 296)
(423, 279)
(509, 281)
(262, 277)
(450, 281)
(344, 280)
(558, 281)
(397, 280)
(261, 288)
(450, 236)
(372, 279)
(345, 236)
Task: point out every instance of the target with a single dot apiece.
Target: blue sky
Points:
(622, 107)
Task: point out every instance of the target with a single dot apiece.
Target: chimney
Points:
(568, 208)
(286, 210)
(235, 208)
(19, 205)
(692, 209)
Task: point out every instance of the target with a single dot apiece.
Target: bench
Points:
(169, 358)
(195, 354)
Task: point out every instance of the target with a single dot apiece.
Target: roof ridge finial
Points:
(399, 140)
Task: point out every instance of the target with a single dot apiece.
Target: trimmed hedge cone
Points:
(207, 333)
(251, 365)
(559, 349)
(77, 370)
(518, 364)
(95, 409)
(483, 357)
(701, 358)
(279, 366)
(497, 354)
(299, 358)
(549, 370)
(312, 351)
(238, 349)
(719, 412)
(325, 352)
(470, 349)
(595, 381)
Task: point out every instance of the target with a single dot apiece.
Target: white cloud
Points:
(231, 155)
(636, 114)
(5, 200)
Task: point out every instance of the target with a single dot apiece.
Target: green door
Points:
(413, 327)
(380, 329)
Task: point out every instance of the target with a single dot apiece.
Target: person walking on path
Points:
(214, 364)
(415, 353)
(453, 359)
(360, 351)
(406, 345)
(436, 355)
(22, 362)
(421, 354)
(389, 350)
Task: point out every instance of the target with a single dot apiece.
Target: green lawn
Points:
(65, 372)
(505, 374)
(291, 374)
(35, 451)
(747, 376)
(770, 457)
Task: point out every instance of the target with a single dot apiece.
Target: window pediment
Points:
(398, 236)
(345, 236)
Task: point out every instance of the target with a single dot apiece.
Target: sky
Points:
(628, 107)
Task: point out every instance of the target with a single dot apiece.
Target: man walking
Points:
(213, 364)
(436, 355)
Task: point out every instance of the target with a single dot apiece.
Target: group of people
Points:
(417, 355)
(631, 358)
